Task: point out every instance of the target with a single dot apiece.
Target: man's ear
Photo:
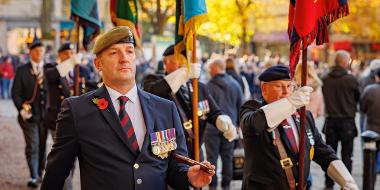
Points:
(98, 63)
(263, 87)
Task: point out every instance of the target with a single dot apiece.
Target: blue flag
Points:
(195, 13)
(85, 12)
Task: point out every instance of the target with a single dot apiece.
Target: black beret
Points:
(118, 34)
(277, 72)
(35, 44)
(169, 51)
(65, 46)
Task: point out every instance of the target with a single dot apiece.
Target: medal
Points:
(163, 142)
(312, 152)
(312, 142)
(156, 150)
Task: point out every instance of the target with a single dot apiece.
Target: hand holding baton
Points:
(191, 162)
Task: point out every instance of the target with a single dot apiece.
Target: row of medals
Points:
(161, 147)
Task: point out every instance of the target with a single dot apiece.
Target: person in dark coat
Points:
(58, 88)
(233, 71)
(271, 137)
(176, 86)
(229, 96)
(118, 136)
(29, 97)
(369, 106)
(341, 95)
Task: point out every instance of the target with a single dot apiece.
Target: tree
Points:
(362, 22)
(157, 12)
(244, 8)
(46, 16)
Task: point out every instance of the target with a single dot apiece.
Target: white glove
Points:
(25, 115)
(224, 124)
(180, 76)
(300, 97)
(279, 110)
(195, 70)
(66, 66)
(339, 173)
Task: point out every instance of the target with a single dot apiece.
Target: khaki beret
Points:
(119, 34)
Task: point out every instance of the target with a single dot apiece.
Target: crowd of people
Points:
(101, 110)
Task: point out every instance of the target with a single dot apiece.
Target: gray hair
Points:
(342, 58)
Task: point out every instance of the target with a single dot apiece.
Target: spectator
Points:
(316, 105)
(369, 106)
(341, 94)
(229, 96)
(7, 74)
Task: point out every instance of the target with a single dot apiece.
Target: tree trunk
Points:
(46, 15)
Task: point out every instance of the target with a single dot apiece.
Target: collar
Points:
(35, 64)
(131, 94)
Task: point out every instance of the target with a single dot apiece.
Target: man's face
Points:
(171, 64)
(275, 90)
(117, 64)
(65, 54)
(37, 54)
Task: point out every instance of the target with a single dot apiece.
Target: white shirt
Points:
(37, 66)
(133, 108)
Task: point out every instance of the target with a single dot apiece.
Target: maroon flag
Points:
(308, 21)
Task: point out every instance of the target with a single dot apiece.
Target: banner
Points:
(85, 13)
(308, 21)
(125, 13)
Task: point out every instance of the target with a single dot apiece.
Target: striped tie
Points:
(289, 133)
(126, 124)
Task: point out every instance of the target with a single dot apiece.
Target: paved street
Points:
(14, 172)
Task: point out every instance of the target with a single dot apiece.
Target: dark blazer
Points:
(156, 84)
(262, 169)
(58, 89)
(22, 90)
(106, 161)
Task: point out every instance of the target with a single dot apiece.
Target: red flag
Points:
(308, 20)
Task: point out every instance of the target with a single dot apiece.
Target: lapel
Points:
(149, 116)
(30, 74)
(111, 117)
(285, 139)
(65, 86)
(297, 122)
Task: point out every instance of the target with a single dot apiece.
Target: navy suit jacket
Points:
(106, 161)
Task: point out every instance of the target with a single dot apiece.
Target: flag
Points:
(308, 21)
(125, 13)
(85, 13)
(195, 13)
(179, 44)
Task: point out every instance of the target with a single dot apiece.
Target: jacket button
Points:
(59, 86)
(136, 166)
(139, 181)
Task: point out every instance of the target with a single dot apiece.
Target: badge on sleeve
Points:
(162, 142)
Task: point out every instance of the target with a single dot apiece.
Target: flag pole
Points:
(195, 102)
(301, 160)
(76, 90)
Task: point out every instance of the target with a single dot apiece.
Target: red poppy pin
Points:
(101, 103)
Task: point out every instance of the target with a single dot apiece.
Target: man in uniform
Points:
(177, 86)
(58, 88)
(271, 137)
(29, 97)
(120, 140)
